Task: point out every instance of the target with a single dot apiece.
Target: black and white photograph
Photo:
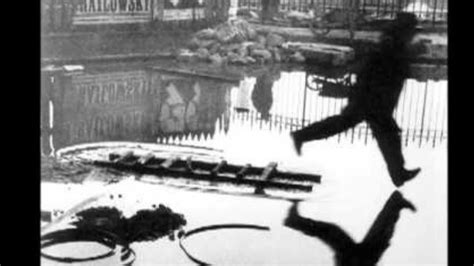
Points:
(244, 132)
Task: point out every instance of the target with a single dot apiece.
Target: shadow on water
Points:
(347, 251)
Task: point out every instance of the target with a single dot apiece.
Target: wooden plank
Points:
(113, 57)
(194, 73)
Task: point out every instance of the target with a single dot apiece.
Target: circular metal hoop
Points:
(213, 228)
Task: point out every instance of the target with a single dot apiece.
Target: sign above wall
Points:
(113, 6)
(93, 12)
(112, 12)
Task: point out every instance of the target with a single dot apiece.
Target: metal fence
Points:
(428, 11)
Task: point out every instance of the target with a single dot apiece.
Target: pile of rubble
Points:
(237, 42)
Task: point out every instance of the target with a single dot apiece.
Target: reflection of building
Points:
(135, 105)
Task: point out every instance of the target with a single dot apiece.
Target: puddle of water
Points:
(149, 106)
(250, 123)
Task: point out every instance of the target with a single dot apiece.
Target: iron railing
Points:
(421, 112)
(433, 12)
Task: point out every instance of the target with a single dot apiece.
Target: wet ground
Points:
(247, 122)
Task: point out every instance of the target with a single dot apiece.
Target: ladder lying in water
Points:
(216, 172)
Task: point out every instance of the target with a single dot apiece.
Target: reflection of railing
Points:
(433, 11)
(421, 112)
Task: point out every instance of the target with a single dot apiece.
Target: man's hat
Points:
(407, 21)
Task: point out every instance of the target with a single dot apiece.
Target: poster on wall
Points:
(112, 11)
(176, 10)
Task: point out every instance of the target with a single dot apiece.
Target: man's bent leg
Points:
(327, 127)
(388, 138)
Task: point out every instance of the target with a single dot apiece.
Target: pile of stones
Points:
(236, 42)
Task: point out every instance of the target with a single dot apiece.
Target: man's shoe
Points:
(407, 175)
(402, 202)
(292, 214)
(296, 144)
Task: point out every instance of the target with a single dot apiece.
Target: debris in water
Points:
(145, 225)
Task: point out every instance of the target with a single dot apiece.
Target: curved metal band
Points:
(211, 228)
(105, 238)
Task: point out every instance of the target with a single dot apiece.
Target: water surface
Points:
(249, 121)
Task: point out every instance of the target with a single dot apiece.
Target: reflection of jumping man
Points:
(374, 97)
(347, 252)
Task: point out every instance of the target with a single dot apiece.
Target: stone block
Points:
(273, 40)
(323, 53)
(262, 53)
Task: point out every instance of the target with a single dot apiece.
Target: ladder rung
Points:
(219, 167)
(169, 162)
(267, 174)
(269, 171)
(243, 171)
(189, 164)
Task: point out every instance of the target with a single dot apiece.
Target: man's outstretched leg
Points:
(387, 134)
(377, 239)
(330, 233)
(325, 128)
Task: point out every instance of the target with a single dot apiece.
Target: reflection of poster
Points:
(109, 106)
(178, 115)
(135, 105)
(191, 105)
(111, 88)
